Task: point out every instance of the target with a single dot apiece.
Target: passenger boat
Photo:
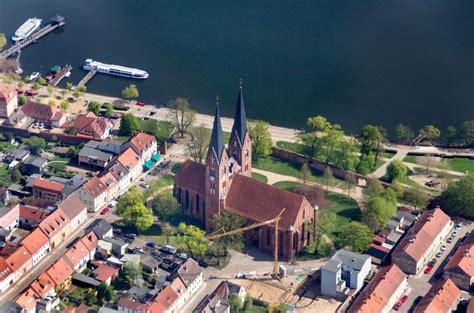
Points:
(28, 28)
(116, 70)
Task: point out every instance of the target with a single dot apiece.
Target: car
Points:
(443, 248)
(112, 204)
(143, 178)
(203, 264)
(146, 186)
(140, 104)
(131, 236)
(449, 240)
(20, 90)
(455, 233)
(31, 92)
(168, 249)
(151, 244)
(439, 254)
(400, 302)
(104, 211)
(138, 249)
(169, 265)
(182, 256)
(428, 269)
(433, 262)
(117, 231)
(459, 226)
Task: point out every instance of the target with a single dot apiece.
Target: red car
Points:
(400, 302)
(31, 92)
(428, 269)
(104, 211)
(20, 90)
(140, 104)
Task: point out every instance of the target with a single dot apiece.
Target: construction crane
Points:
(275, 221)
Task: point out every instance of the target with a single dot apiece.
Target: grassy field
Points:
(292, 146)
(387, 154)
(260, 177)
(58, 163)
(6, 147)
(462, 165)
(410, 159)
(287, 185)
(345, 208)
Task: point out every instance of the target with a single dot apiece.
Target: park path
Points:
(382, 170)
(412, 167)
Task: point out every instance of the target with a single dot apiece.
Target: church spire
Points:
(217, 137)
(240, 119)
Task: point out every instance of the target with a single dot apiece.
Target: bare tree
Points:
(197, 145)
(351, 180)
(305, 173)
(183, 115)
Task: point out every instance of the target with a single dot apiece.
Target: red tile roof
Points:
(128, 158)
(463, 259)
(32, 213)
(39, 111)
(9, 248)
(118, 170)
(34, 241)
(191, 176)
(7, 93)
(109, 180)
(47, 185)
(441, 298)
(91, 123)
(374, 297)
(104, 272)
(60, 271)
(90, 241)
(54, 223)
(170, 293)
(76, 253)
(42, 285)
(5, 269)
(420, 237)
(19, 258)
(72, 206)
(141, 142)
(27, 300)
(95, 187)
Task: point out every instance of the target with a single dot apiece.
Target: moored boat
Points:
(28, 28)
(116, 70)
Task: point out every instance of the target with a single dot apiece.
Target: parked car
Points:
(433, 262)
(151, 244)
(140, 104)
(182, 256)
(458, 226)
(439, 254)
(131, 236)
(104, 211)
(117, 231)
(400, 302)
(143, 178)
(455, 233)
(203, 264)
(168, 249)
(449, 240)
(31, 92)
(169, 265)
(112, 204)
(443, 248)
(138, 249)
(144, 185)
(428, 269)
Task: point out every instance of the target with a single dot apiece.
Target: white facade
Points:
(78, 220)
(5, 283)
(94, 204)
(395, 296)
(41, 253)
(195, 285)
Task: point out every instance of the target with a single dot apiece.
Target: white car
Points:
(444, 248)
(455, 233)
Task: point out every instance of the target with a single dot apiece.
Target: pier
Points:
(60, 75)
(56, 23)
(85, 80)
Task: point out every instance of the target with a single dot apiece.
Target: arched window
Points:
(186, 200)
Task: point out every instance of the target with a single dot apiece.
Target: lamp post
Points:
(316, 210)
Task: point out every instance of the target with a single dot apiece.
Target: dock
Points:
(56, 23)
(85, 80)
(60, 75)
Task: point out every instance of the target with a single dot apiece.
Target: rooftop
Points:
(47, 185)
(441, 297)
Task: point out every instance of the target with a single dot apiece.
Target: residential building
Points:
(77, 256)
(382, 292)
(60, 273)
(422, 241)
(20, 262)
(27, 301)
(56, 227)
(171, 299)
(18, 154)
(149, 264)
(443, 296)
(191, 274)
(75, 210)
(37, 244)
(9, 217)
(112, 186)
(217, 301)
(143, 144)
(460, 269)
(224, 183)
(119, 247)
(45, 113)
(96, 154)
(90, 242)
(31, 216)
(94, 194)
(102, 229)
(8, 100)
(106, 273)
(35, 165)
(121, 174)
(346, 270)
(104, 248)
(70, 184)
(48, 191)
(7, 275)
(132, 162)
(90, 125)
(44, 286)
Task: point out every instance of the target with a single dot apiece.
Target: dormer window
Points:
(212, 172)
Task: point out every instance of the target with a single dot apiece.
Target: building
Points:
(102, 229)
(112, 186)
(443, 296)
(35, 165)
(8, 100)
(60, 273)
(10, 217)
(90, 242)
(346, 270)
(119, 247)
(460, 269)
(75, 210)
(144, 145)
(121, 174)
(422, 241)
(31, 216)
(149, 264)
(77, 256)
(382, 292)
(37, 244)
(171, 299)
(217, 301)
(18, 154)
(47, 191)
(191, 274)
(7, 275)
(94, 194)
(105, 273)
(91, 125)
(132, 162)
(56, 227)
(44, 286)
(27, 301)
(45, 113)
(97, 154)
(20, 262)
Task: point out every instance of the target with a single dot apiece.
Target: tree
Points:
(313, 193)
(35, 86)
(3, 41)
(417, 196)
(165, 205)
(328, 176)
(404, 134)
(51, 102)
(105, 292)
(371, 139)
(227, 221)
(355, 236)
(167, 231)
(429, 132)
(22, 99)
(109, 109)
(131, 208)
(73, 151)
(94, 107)
(36, 144)
(63, 92)
(450, 134)
(65, 105)
(131, 274)
(366, 164)
(76, 94)
(15, 175)
(350, 180)
(235, 302)
(130, 92)
(69, 85)
(396, 171)
(248, 307)
(373, 187)
(467, 133)
(194, 239)
(261, 139)
(305, 173)
(183, 116)
(41, 81)
(197, 145)
(458, 198)
(82, 89)
(50, 90)
(129, 124)
(346, 154)
(382, 208)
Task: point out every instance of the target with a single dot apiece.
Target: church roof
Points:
(191, 177)
(217, 138)
(240, 119)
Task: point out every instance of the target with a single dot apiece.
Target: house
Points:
(121, 174)
(31, 216)
(460, 269)
(44, 286)
(35, 165)
(90, 242)
(104, 248)
(84, 281)
(217, 301)
(171, 299)
(48, 191)
(102, 229)
(346, 270)
(92, 156)
(106, 273)
(56, 227)
(224, 182)
(118, 246)
(91, 125)
(149, 264)
(421, 241)
(77, 256)
(20, 262)
(382, 292)
(8, 100)
(19, 120)
(18, 154)
(4, 195)
(143, 144)
(45, 113)
(10, 217)
(70, 184)
(443, 296)
(37, 244)
(75, 210)
(27, 301)
(7, 275)
(112, 186)
(94, 194)
(60, 274)
(132, 162)
(191, 274)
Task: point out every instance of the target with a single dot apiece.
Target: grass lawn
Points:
(387, 154)
(462, 165)
(378, 164)
(6, 147)
(154, 234)
(121, 138)
(287, 185)
(260, 177)
(291, 146)
(4, 176)
(58, 163)
(345, 208)
(408, 181)
(410, 159)
(226, 137)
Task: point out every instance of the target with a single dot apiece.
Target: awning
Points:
(148, 164)
(156, 157)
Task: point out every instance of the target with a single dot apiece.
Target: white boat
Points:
(115, 70)
(34, 76)
(28, 28)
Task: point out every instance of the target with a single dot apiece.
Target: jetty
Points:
(56, 23)
(85, 80)
(60, 75)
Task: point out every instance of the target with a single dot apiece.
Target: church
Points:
(224, 182)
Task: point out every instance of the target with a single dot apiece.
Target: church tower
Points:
(217, 171)
(240, 146)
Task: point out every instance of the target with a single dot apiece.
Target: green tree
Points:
(3, 41)
(371, 139)
(35, 86)
(22, 99)
(227, 221)
(351, 180)
(109, 109)
(131, 208)
(261, 139)
(69, 85)
(183, 115)
(36, 144)
(198, 143)
(167, 230)
(373, 187)
(130, 92)
(429, 132)
(235, 302)
(165, 205)
(467, 133)
(105, 292)
(129, 124)
(94, 107)
(381, 208)
(194, 239)
(397, 171)
(366, 164)
(73, 151)
(41, 81)
(76, 94)
(417, 196)
(328, 176)
(458, 198)
(450, 134)
(305, 173)
(131, 274)
(65, 105)
(404, 134)
(346, 154)
(51, 102)
(355, 236)
(15, 175)
(248, 307)
(21, 84)
(82, 89)
(50, 90)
